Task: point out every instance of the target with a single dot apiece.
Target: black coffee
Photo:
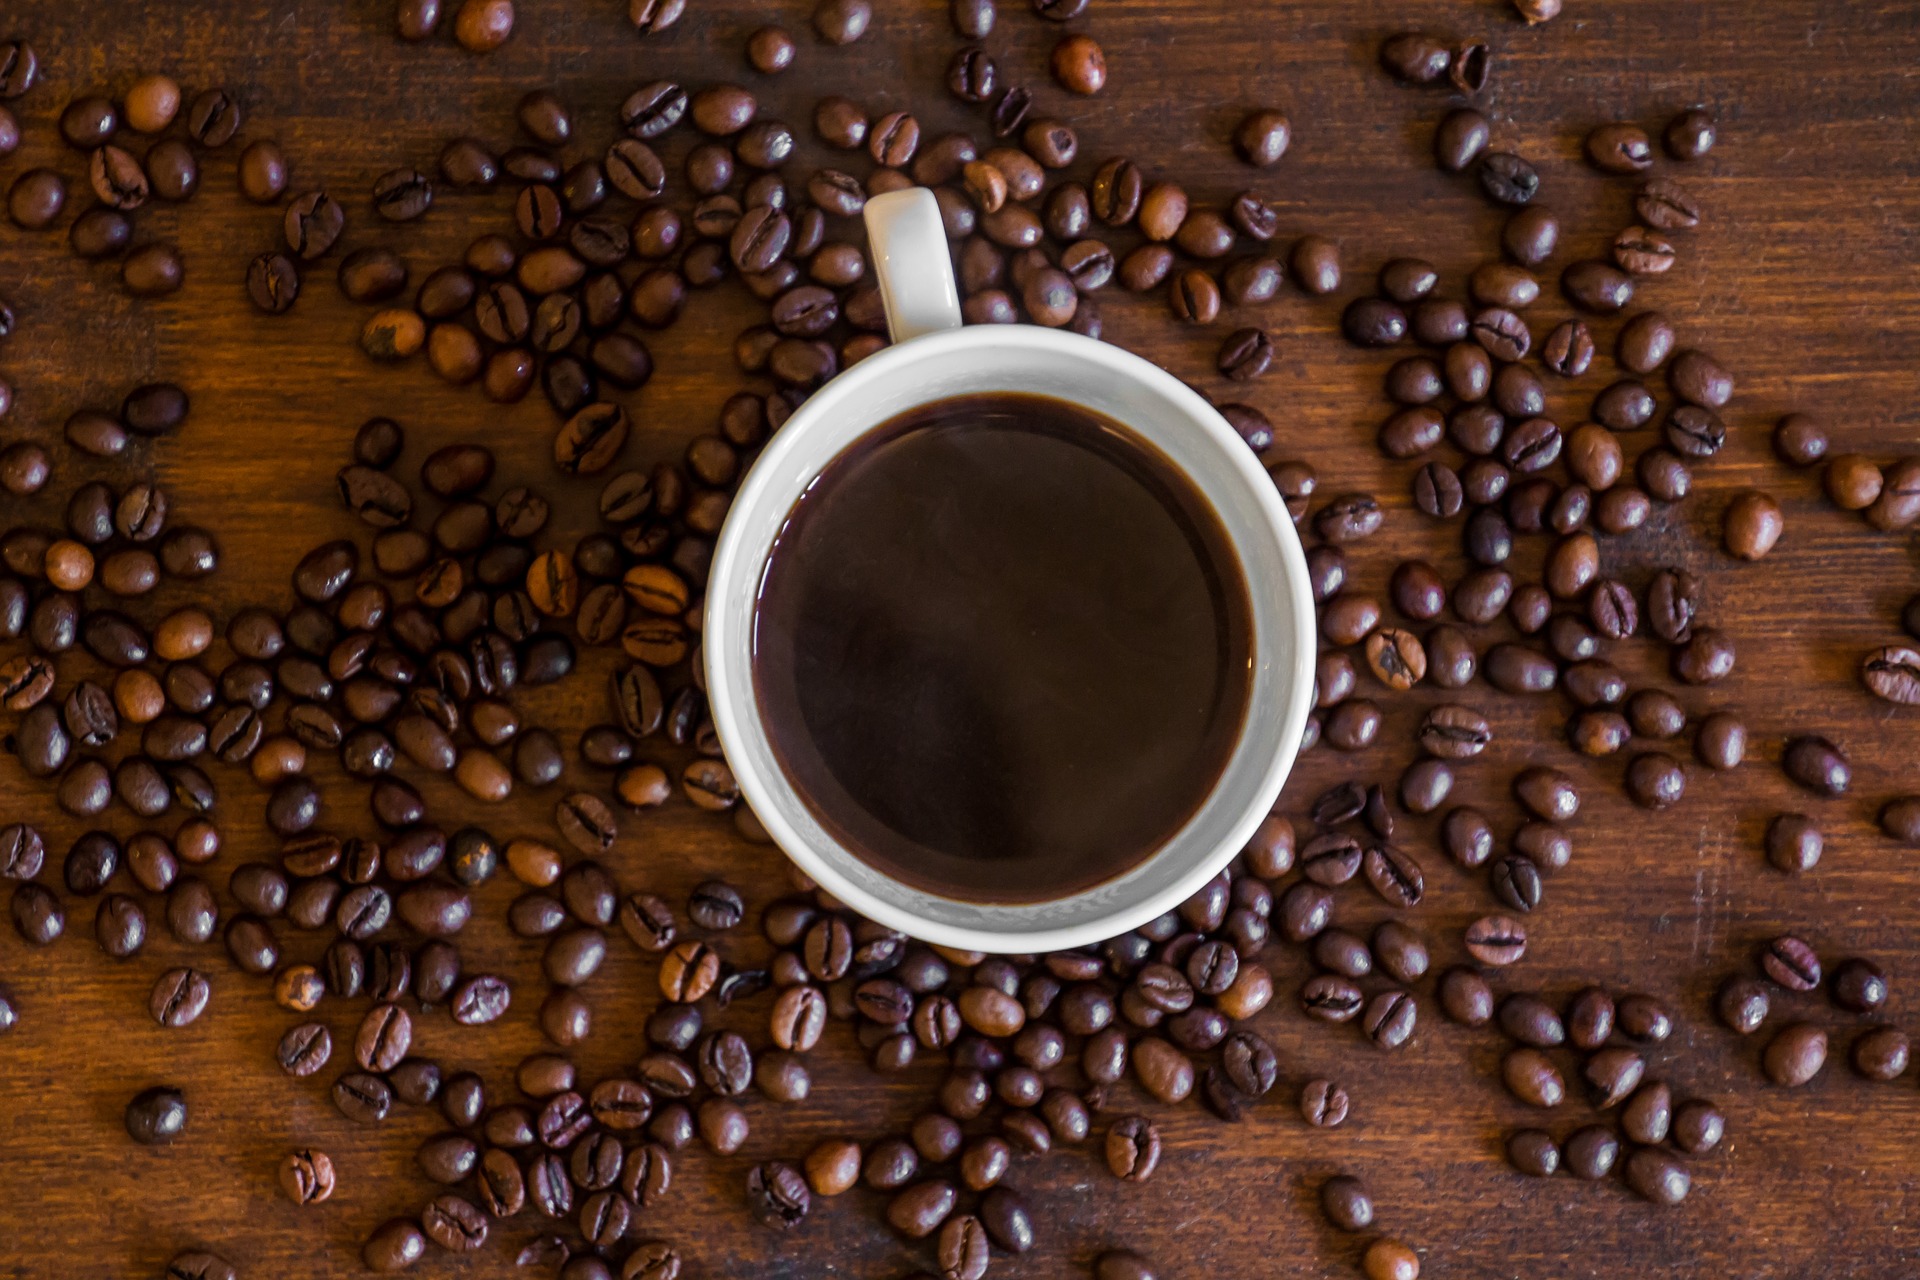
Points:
(1002, 648)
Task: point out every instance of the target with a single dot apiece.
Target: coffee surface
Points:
(1002, 648)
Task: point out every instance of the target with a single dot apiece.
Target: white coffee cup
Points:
(934, 358)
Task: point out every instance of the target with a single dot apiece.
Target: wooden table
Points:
(1802, 282)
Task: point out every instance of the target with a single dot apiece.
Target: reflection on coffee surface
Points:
(1001, 648)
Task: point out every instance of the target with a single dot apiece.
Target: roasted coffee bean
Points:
(1389, 1019)
(1591, 1152)
(1645, 342)
(1881, 1053)
(1899, 820)
(563, 1119)
(1373, 322)
(1341, 952)
(1698, 1127)
(1396, 657)
(1330, 997)
(22, 852)
(398, 1244)
(1742, 1005)
(1891, 674)
(1194, 297)
(1415, 57)
(1530, 235)
(1394, 875)
(1597, 286)
(118, 180)
(1314, 264)
(1655, 780)
(1532, 1078)
(86, 123)
(1133, 1149)
(1515, 881)
(1409, 433)
(38, 916)
(1472, 67)
(1467, 837)
(1694, 432)
(1324, 1104)
(480, 999)
(313, 225)
(1503, 334)
(1612, 1075)
(1793, 842)
(1507, 179)
(1859, 986)
(1795, 1055)
(1442, 322)
(466, 162)
(156, 1116)
(1465, 997)
(1417, 380)
(1501, 284)
(1791, 962)
(263, 171)
(1699, 379)
(1533, 445)
(778, 1195)
(1353, 725)
(306, 1176)
(1349, 518)
(179, 997)
(1511, 668)
(1346, 1203)
(918, 1211)
(770, 49)
(1853, 482)
(1453, 732)
(1336, 805)
(1532, 1021)
(1496, 940)
(1642, 252)
(1799, 440)
(1568, 350)
(1437, 491)
(27, 680)
(1533, 1153)
(25, 468)
(1079, 65)
(1619, 148)
(1817, 765)
(41, 742)
(1261, 138)
(1462, 135)
(36, 199)
(1416, 586)
(1546, 844)
(455, 1224)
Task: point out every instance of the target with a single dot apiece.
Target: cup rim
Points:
(733, 705)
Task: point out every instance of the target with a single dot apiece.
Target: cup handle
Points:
(910, 260)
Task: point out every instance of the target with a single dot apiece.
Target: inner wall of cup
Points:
(1163, 412)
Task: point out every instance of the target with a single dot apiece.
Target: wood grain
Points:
(1802, 282)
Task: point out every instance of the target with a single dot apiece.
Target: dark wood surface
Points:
(1802, 282)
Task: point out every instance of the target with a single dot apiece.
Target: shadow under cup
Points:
(1176, 423)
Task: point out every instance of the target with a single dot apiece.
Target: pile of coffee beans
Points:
(1790, 970)
(146, 148)
(400, 653)
(1615, 1035)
